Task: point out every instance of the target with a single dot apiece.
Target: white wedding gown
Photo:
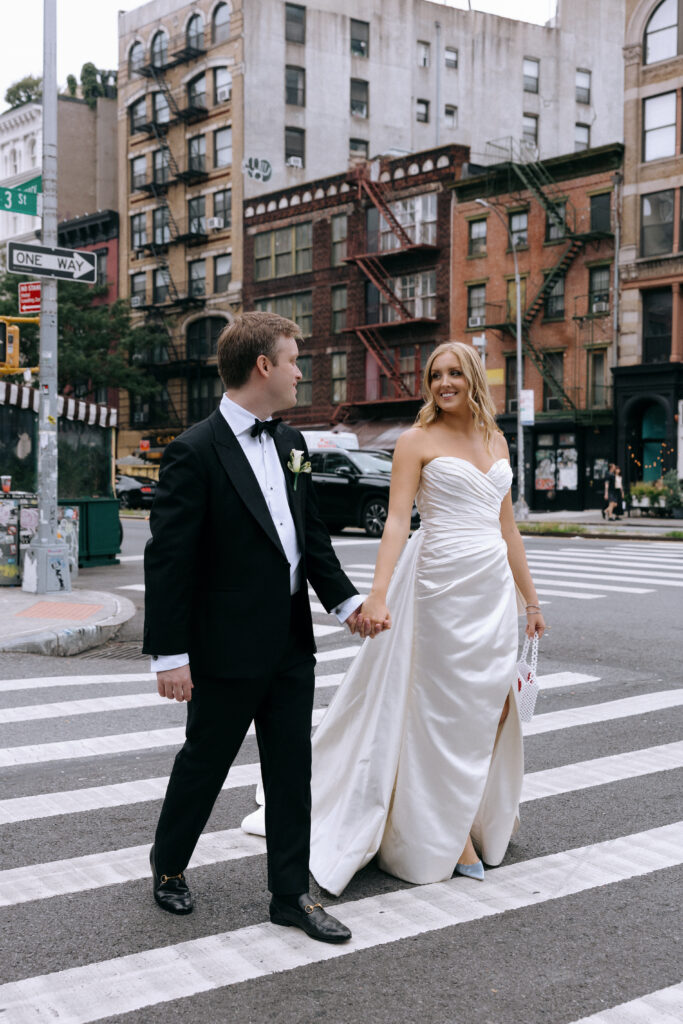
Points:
(404, 764)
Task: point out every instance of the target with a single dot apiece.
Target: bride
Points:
(419, 757)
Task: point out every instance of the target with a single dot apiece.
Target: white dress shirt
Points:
(265, 462)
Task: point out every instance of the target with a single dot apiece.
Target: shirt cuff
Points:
(165, 662)
(343, 610)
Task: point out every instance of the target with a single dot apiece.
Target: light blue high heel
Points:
(471, 870)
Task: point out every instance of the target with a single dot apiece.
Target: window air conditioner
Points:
(476, 321)
(223, 94)
(601, 307)
(553, 404)
(215, 223)
(294, 161)
(137, 300)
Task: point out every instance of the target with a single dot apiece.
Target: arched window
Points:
(661, 33)
(136, 57)
(160, 50)
(220, 25)
(195, 32)
(202, 336)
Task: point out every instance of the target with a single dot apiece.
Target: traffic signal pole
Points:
(46, 565)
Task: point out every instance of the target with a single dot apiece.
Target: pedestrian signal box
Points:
(9, 346)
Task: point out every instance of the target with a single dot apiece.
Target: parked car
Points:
(135, 491)
(353, 488)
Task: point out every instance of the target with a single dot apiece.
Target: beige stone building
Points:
(648, 380)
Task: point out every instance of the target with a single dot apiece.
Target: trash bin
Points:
(99, 530)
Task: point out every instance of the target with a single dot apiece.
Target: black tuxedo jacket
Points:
(217, 581)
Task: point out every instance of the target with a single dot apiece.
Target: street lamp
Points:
(521, 507)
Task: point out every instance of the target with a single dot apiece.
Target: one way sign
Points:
(48, 261)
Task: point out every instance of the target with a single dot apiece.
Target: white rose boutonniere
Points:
(296, 466)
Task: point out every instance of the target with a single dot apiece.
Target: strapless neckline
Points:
(467, 462)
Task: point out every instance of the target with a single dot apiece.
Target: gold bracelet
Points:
(528, 606)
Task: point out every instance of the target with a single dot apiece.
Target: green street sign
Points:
(13, 200)
(32, 185)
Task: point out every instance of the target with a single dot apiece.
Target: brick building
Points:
(361, 261)
(560, 217)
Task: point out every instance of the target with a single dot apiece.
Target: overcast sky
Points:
(87, 30)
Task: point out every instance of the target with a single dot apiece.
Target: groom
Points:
(235, 537)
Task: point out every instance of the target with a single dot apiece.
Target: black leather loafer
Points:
(310, 917)
(170, 891)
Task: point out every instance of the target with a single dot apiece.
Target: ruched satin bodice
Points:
(455, 495)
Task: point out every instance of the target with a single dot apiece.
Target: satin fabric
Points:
(404, 764)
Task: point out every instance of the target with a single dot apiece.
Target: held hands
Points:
(176, 684)
(373, 617)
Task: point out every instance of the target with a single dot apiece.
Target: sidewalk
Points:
(591, 524)
(59, 624)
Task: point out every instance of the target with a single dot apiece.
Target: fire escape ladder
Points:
(536, 179)
(541, 365)
(375, 272)
(160, 81)
(375, 193)
(374, 343)
(560, 268)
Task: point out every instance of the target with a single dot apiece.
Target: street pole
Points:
(521, 508)
(46, 565)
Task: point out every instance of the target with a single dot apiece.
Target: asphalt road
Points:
(583, 915)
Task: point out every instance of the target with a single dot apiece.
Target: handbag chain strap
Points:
(528, 642)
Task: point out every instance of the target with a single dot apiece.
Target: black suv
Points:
(353, 488)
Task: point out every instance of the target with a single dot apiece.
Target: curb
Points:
(69, 641)
(571, 531)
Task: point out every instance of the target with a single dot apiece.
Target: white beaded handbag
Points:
(527, 680)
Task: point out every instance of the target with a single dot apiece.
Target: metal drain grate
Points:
(125, 650)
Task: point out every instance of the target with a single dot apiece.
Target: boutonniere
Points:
(296, 466)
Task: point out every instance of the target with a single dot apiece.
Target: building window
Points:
(531, 70)
(657, 223)
(222, 85)
(102, 267)
(451, 57)
(196, 215)
(202, 337)
(195, 32)
(295, 23)
(476, 243)
(138, 172)
(222, 206)
(553, 364)
(450, 115)
(417, 217)
(338, 375)
(358, 148)
(283, 252)
(598, 289)
(160, 50)
(161, 113)
(601, 212)
(138, 289)
(222, 272)
(659, 126)
(162, 230)
(136, 58)
(657, 324)
(511, 383)
(297, 307)
(597, 379)
(476, 305)
(519, 228)
(554, 300)
(162, 166)
(417, 292)
(161, 283)
(423, 52)
(554, 228)
(339, 301)
(304, 389)
(138, 115)
(583, 86)
(203, 396)
(422, 110)
(222, 147)
(196, 151)
(530, 129)
(359, 98)
(340, 227)
(197, 278)
(295, 86)
(360, 38)
(661, 33)
(196, 92)
(295, 147)
(138, 231)
(582, 137)
(220, 24)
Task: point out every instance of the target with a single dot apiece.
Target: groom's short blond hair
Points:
(249, 336)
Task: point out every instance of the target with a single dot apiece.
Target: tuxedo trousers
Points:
(218, 716)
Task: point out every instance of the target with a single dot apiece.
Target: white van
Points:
(317, 439)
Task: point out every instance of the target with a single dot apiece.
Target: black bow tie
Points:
(270, 426)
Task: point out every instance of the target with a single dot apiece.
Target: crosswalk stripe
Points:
(591, 714)
(660, 557)
(338, 654)
(128, 983)
(662, 1007)
(554, 680)
(598, 586)
(111, 867)
(542, 570)
(41, 682)
(133, 586)
(613, 565)
(567, 593)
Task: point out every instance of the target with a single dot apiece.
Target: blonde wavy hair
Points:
(478, 394)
